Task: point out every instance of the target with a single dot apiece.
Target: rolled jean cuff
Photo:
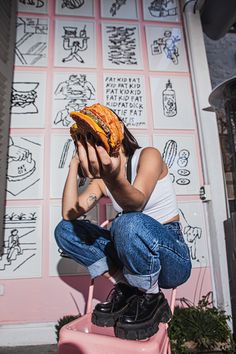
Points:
(98, 268)
(144, 282)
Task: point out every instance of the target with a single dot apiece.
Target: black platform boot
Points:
(107, 313)
(142, 317)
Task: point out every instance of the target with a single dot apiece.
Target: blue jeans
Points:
(145, 250)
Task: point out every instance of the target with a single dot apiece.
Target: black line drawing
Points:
(169, 152)
(33, 3)
(192, 234)
(183, 181)
(167, 44)
(24, 98)
(169, 155)
(169, 100)
(78, 91)
(19, 244)
(21, 168)
(116, 6)
(74, 44)
(72, 4)
(125, 95)
(182, 161)
(183, 172)
(172, 176)
(122, 46)
(64, 153)
(163, 8)
(31, 44)
(183, 157)
(63, 116)
(75, 87)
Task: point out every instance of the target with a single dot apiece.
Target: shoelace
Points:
(115, 293)
(139, 299)
(113, 296)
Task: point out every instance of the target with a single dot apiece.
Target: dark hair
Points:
(129, 142)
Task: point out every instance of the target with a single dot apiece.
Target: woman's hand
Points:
(96, 163)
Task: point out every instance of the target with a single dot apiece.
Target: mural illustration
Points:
(28, 100)
(72, 4)
(161, 10)
(179, 154)
(166, 50)
(22, 243)
(121, 46)
(31, 41)
(194, 231)
(167, 45)
(192, 234)
(75, 44)
(24, 167)
(169, 101)
(172, 102)
(33, 6)
(125, 95)
(62, 150)
(120, 9)
(72, 92)
(75, 7)
(23, 98)
(169, 155)
(116, 6)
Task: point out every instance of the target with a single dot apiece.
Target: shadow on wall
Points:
(66, 267)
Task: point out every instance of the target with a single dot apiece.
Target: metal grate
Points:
(5, 21)
(7, 44)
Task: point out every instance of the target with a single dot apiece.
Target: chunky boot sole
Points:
(106, 319)
(145, 329)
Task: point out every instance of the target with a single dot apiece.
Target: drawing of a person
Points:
(14, 248)
(87, 87)
(76, 87)
(63, 115)
(74, 43)
(169, 46)
(63, 88)
(168, 43)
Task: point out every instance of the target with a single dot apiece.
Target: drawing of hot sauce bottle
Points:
(169, 101)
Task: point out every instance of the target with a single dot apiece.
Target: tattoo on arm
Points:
(91, 199)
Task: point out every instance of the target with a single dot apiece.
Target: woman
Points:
(143, 251)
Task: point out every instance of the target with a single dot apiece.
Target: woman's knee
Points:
(125, 231)
(61, 231)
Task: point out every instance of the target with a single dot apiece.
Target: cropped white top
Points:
(162, 204)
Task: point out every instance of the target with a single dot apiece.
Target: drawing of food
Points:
(19, 170)
(20, 163)
(23, 98)
(23, 164)
(72, 4)
(169, 152)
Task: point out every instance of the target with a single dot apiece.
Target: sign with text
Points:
(125, 95)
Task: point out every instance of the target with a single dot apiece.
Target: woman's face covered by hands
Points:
(95, 161)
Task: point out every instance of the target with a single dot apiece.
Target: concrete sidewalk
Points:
(32, 349)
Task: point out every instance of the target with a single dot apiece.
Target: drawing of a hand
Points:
(17, 153)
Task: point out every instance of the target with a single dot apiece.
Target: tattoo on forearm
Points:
(91, 199)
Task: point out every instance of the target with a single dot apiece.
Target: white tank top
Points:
(162, 204)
